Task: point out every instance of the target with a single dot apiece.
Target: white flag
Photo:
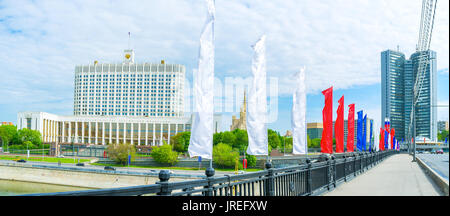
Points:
(201, 142)
(257, 102)
(299, 139)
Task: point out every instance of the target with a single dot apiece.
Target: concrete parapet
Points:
(441, 182)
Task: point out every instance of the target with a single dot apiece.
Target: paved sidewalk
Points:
(395, 176)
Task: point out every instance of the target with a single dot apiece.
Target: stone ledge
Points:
(441, 182)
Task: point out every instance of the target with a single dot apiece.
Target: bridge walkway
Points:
(395, 176)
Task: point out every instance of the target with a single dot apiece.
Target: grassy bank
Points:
(42, 159)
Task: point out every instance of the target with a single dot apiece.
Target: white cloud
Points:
(339, 41)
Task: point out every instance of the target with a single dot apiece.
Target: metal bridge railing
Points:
(311, 178)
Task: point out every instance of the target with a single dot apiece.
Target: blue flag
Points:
(359, 131)
(386, 140)
(370, 138)
(364, 139)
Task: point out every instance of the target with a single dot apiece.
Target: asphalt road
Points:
(437, 162)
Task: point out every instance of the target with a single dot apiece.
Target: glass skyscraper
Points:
(398, 75)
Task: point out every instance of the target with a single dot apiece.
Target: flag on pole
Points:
(351, 128)
(326, 143)
(382, 139)
(299, 140)
(386, 139)
(359, 132)
(257, 102)
(201, 142)
(339, 127)
(364, 142)
(370, 137)
(392, 138)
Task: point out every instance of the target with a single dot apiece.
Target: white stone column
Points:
(110, 132)
(69, 137)
(168, 133)
(96, 133)
(63, 131)
(82, 132)
(161, 137)
(154, 134)
(76, 132)
(139, 134)
(103, 133)
(131, 134)
(89, 132)
(146, 133)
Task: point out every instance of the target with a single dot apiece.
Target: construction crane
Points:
(423, 47)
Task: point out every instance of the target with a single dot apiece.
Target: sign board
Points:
(199, 159)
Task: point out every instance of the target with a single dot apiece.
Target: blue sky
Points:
(339, 42)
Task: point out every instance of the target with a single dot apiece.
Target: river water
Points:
(12, 188)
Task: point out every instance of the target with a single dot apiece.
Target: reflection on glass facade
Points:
(397, 82)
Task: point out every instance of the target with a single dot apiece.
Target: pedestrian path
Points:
(395, 176)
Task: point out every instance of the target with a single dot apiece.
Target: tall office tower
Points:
(392, 90)
(129, 89)
(398, 77)
(426, 110)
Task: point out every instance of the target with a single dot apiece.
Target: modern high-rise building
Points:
(398, 76)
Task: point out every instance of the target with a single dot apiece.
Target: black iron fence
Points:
(311, 178)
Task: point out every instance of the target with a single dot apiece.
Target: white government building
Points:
(141, 104)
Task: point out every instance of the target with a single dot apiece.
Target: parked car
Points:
(21, 161)
(110, 168)
(80, 164)
(440, 151)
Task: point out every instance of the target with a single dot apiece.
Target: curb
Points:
(441, 182)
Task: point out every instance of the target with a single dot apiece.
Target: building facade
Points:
(141, 104)
(398, 76)
(241, 122)
(442, 125)
(314, 130)
(129, 89)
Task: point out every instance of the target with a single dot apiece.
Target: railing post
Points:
(345, 168)
(209, 176)
(354, 163)
(269, 186)
(309, 172)
(164, 176)
(333, 160)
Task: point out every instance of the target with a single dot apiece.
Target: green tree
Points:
(164, 154)
(251, 160)
(315, 143)
(241, 141)
(7, 133)
(228, 138)
(442, 135)
(273, 139)
(217, 138)
(119, 152)
(224, 155)
(180, 141)
(26, 134)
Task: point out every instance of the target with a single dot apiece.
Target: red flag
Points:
(326, 143)
(382, 139)
(351, 128)
(392, 137)
(339, 127)
(380, 144)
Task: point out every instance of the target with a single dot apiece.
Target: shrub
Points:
(251, 160)
(164, 154)
(224, 155)
(119, 152)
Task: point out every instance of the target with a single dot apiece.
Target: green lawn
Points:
(45, 159)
